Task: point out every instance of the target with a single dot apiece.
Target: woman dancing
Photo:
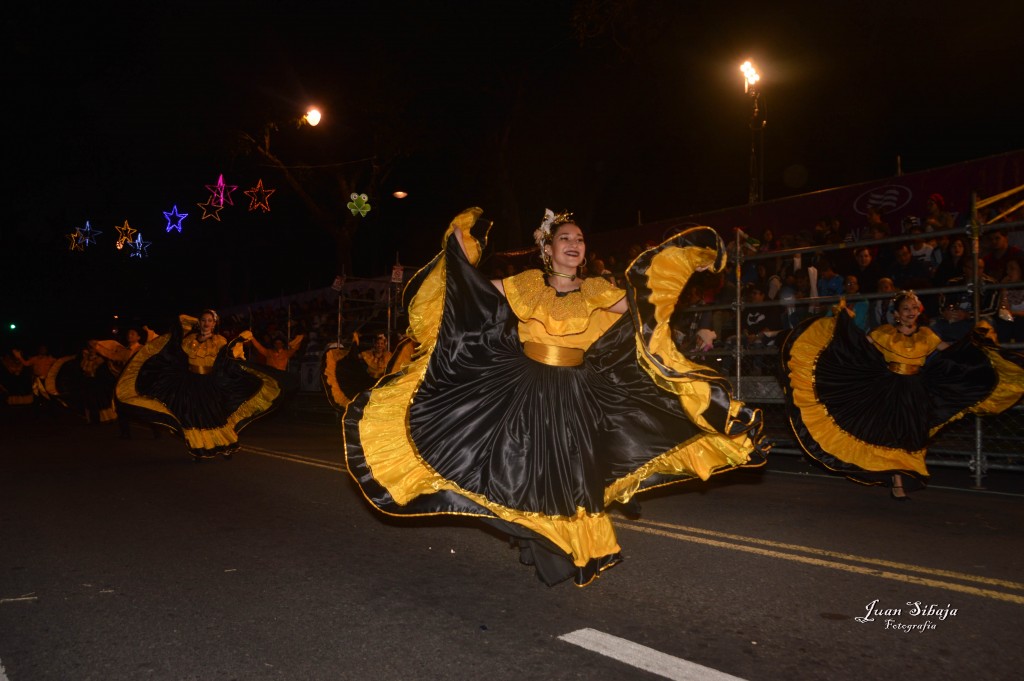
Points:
(191, 381)
(866, 405)
(537, 401)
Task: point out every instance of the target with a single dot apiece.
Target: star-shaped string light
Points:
(124, 235)
(259, 197)
(221, 193)
(211, 209)
(87, 235)
(139, 247)
(74, 241)
(174, 219)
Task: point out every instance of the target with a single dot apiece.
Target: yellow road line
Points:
(297, 458)
(726, 540)
(871, 572)
(841, 556)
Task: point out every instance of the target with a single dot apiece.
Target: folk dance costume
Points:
(84, 383)
(536, 412)
(117, 357)
(868, 410)
(200, 389)
(376, 360)
(346, 372)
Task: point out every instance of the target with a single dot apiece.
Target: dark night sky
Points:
(120, 111)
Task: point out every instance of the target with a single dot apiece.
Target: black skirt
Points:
(208, 409)
(472, 426)
(856, 417)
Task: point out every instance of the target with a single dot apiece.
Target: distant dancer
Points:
(192, 381)
(866, 405)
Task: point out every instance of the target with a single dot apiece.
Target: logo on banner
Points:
(886, 199)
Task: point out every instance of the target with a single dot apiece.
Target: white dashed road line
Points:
(645, 658)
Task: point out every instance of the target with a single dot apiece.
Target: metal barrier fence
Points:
(976, 444)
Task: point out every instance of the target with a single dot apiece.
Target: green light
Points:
(13, 326)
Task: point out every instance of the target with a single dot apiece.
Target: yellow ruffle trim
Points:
(532, 299)
(667, 275)
(830, 437)
(425, 308)
(700, 457)
(330, 377)
(125, 390)
(50, 383)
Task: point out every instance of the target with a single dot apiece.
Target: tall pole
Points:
(757, 124)
(758, 121)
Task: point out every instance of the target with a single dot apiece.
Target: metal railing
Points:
(976, 444)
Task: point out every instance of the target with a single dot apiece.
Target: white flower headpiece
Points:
(543, 233)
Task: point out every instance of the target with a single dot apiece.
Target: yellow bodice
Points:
(376, 365)
(574, 320)
(202, 354)
(913, 349)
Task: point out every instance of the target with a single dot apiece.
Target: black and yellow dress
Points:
(535, 411)
(867, 410)
(83, 383)
(344, 374)
(347, 372)
(201, 389)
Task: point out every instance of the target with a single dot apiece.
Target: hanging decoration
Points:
(74, 241)
(211, 209)
(359, 205)
(87, 235)
(139, 247)
(124, 235)
(259, 197)
(174, 219)
(221, 193)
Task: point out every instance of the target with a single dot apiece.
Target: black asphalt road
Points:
(123, 559)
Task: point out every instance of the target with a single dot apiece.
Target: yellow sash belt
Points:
(905, 369)
(553, 355)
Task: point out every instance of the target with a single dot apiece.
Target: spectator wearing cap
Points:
(909, 223)
(938, 217)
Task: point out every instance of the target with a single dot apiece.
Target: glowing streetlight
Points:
(750, 75)
(758, 122)
(311, 118)
(399, 194)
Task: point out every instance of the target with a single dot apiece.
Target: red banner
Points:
(898, 197)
